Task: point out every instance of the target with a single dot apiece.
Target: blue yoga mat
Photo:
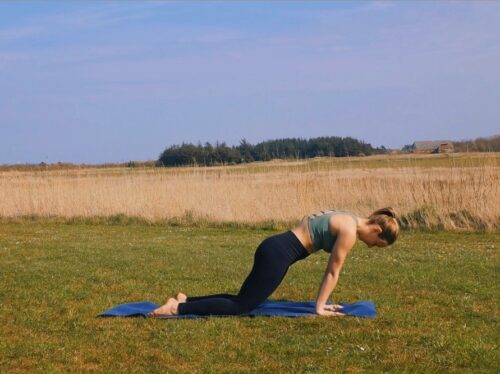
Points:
(268, 308)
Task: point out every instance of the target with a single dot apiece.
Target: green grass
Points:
(437, 296)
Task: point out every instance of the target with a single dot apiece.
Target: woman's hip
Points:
(285, 246)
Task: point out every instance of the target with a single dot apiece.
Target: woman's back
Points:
(315, 231)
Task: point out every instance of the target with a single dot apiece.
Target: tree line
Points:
(489, 144)
(289, 148)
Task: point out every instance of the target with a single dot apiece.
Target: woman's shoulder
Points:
(344, 222)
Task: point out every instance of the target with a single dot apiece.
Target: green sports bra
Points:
(319, 228)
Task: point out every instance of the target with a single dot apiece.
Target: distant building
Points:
(432, 146)
(445, 148)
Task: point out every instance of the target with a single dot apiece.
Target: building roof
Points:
(429, 144)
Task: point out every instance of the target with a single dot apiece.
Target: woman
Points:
(334, 231)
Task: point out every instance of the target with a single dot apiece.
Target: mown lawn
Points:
(437, 296)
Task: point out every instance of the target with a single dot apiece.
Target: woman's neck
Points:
(362, 227)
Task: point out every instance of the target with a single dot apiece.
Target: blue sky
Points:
(99, 81)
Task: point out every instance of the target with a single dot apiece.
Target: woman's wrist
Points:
(319, 306)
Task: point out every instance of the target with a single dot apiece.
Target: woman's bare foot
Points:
(181, 297)
(168, 309)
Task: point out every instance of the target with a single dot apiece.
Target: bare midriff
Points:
(301, 231)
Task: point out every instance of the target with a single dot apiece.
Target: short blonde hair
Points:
(386, 219)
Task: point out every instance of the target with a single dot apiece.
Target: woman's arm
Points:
(345, 241)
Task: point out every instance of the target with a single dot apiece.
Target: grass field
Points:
(436, 292)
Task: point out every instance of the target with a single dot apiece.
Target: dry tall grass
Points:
(447, 197)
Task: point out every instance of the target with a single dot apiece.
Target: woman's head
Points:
(385, 219)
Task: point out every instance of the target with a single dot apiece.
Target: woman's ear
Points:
(377, 229)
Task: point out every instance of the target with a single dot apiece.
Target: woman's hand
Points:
(329, 310)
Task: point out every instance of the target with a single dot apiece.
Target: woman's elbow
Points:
(333, 273)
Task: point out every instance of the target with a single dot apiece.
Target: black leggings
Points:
(272, 259)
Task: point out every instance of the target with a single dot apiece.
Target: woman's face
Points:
(377, 242)
(372, 239)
